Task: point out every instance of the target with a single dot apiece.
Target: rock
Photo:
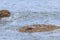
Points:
(38, 28)
(4, 13)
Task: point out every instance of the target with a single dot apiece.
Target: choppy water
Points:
(18, 19)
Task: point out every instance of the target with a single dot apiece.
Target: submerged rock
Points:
(4, 13)
(38, 28)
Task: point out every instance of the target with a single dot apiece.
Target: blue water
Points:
(27, 12)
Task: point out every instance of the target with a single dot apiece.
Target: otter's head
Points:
(4, 13)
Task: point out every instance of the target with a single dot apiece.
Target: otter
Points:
(4, 13)
(38, 28)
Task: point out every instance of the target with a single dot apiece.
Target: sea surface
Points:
(28, 12)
